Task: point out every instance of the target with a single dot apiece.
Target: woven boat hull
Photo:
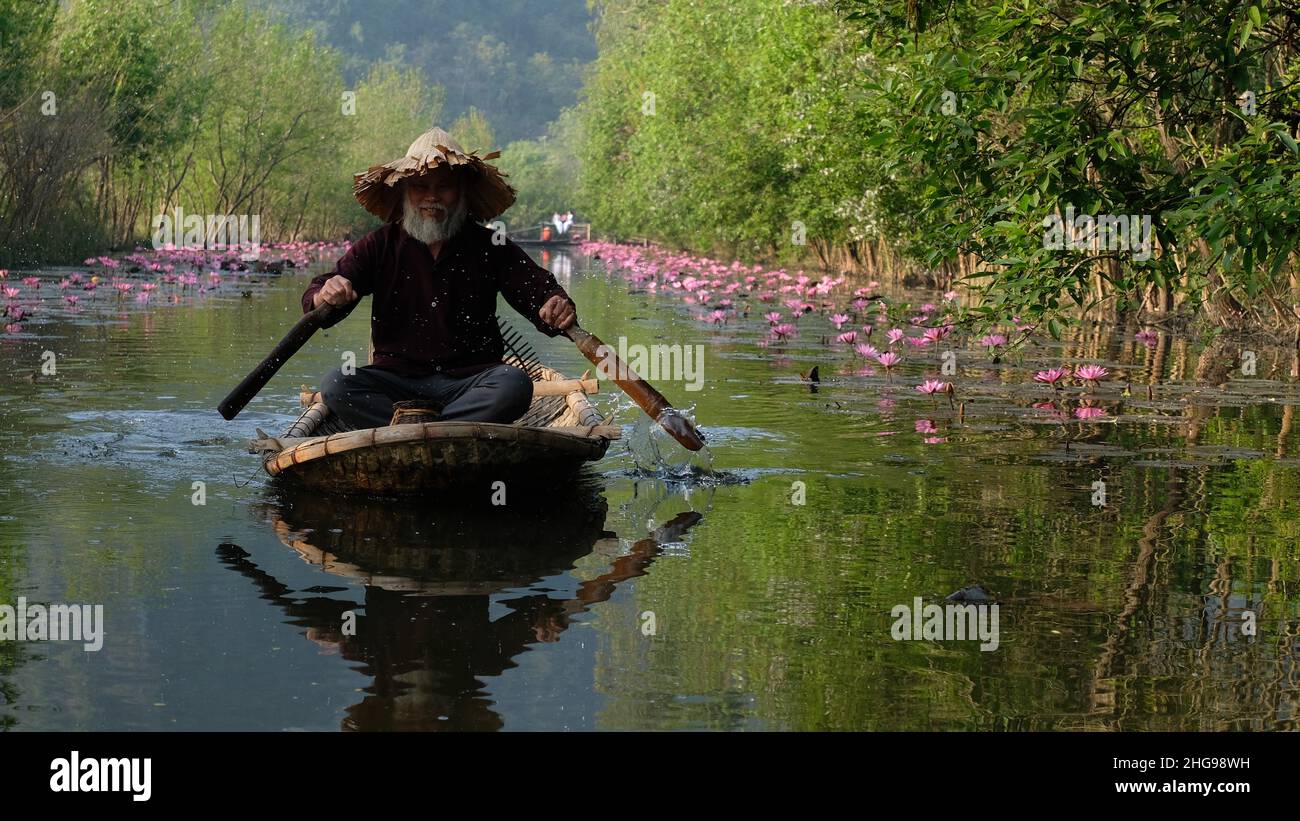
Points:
(440, 456)
(545, 448)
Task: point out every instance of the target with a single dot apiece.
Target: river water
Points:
(1125, 552)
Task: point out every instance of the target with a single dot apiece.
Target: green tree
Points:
(473, 131)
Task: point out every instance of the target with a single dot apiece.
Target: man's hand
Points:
(337, 290)
(558, 312)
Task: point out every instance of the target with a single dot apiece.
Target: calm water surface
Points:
(632, 603)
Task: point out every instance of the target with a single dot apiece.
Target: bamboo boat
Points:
(560, 432)
(579, 232)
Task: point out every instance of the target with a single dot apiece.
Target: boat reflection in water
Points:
(560, 264)
(429, 575)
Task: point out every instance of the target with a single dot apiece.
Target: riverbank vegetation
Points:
(938, 138)
(899, 139)
(115, 111)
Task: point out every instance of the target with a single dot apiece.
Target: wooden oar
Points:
(295, 339)
(650, 400)
(647, 398)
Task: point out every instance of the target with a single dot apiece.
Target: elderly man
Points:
(434, 274)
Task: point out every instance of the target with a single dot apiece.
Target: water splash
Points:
(656, 454)
(682, 428)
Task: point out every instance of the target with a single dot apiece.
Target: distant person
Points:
(568, 222)
(558, 222)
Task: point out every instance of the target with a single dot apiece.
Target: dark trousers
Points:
(365, 399)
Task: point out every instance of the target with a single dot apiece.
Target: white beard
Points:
(427, 229)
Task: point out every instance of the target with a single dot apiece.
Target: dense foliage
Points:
(949, 132)
(113, 112)
(899, 136)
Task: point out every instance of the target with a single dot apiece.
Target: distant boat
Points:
(556, 242)
(547, 238)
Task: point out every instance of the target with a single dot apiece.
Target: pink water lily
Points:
(867, 351)
(11, 292)
(925, 426)
(784, 330)
(847, 338)
(994, 341)
(71, 299)
(889, 360)
(772, 318)
(894, 335)
(1091, 374)
(1051, 376)
(1089, 413)
(33, 282)
(839, 320)
(932, 386)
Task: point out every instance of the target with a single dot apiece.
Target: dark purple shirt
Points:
(439, 316)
